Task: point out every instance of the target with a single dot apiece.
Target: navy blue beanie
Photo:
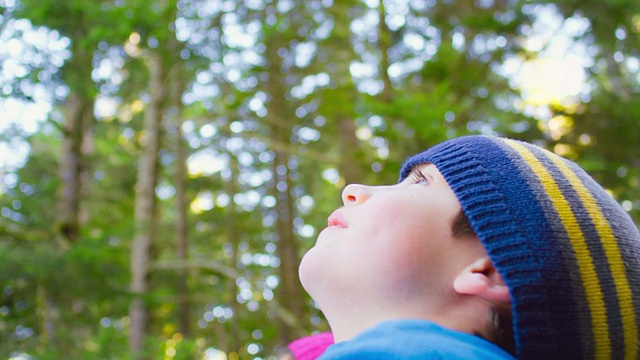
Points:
(566, 249)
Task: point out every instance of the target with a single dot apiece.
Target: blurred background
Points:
(164, 164)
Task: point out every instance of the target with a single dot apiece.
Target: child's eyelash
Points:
(418, 177)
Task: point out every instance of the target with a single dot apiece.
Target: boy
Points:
(550, 252)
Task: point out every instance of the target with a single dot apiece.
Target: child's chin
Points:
(312, 270)
(307, 269)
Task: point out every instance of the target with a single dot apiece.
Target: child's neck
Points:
(346, 323)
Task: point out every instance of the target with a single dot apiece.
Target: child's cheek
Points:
(390, 212)
(408, 235)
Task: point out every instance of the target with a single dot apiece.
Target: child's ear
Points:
(482, 279)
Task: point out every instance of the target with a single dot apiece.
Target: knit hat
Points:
(568, 252)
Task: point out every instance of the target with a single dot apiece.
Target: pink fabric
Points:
(310, 347)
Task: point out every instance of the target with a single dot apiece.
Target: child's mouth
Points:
(337, 219)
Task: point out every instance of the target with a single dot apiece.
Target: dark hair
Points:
(501, 319)
(502, 323)
(461, 226)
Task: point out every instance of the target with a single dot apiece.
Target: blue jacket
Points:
(414, 339)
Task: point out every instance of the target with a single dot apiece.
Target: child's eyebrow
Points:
(417, 168)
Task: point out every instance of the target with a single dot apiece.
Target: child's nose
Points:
(355, 194)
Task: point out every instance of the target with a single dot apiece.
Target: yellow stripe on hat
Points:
(588, 273)
(614, 258)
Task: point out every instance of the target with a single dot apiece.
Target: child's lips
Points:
(337, 219)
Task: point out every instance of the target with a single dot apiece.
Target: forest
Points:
(165, 164)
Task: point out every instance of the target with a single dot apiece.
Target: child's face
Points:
(388, 245)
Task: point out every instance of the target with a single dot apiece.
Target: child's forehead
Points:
(421, 166)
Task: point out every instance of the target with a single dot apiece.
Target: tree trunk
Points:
(47, 314)
(71, 171)
(350, 150)
(145, 206)
(181, 233)
(79, 111)
(384, 46)
(232, 236)
(180, 177)
(290, 293)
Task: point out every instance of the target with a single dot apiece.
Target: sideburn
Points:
(461, 226)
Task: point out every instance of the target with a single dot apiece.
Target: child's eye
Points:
(417, 177)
